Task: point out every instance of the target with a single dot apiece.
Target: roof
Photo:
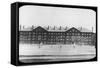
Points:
(84, 29)
(26, 29)
(56, 29)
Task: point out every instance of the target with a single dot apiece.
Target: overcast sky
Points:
(56, 16)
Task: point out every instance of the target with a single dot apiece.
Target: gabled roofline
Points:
(38, 27)
(73, 28)
(55, 30)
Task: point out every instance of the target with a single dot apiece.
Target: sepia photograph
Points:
(48, 34)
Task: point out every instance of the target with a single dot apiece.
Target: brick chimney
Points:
(66, 28)
(54, 28)
(92, 29)
(23, 27)
(60, 28)
(32, 26)
(80, 28)
(48, 28)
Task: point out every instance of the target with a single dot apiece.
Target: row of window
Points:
(56, 39)
(69, 34)
(58, 42)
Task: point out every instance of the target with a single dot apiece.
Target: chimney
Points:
(54, 28)
(48, 28)
(80, 28)
(92, 29)
(60, 28)
(66, 28)
(23, 27)
(32, 26)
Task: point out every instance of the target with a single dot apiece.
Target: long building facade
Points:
(70, 36)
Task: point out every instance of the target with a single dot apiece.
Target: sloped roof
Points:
(57, 29)
(84, 29)
(39, 28)
(26, 29)
(75, 29)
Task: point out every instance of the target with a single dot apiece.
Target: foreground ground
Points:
(39, 53)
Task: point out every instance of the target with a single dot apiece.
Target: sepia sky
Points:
(56, 16)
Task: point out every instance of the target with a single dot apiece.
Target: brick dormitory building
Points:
(60, 36)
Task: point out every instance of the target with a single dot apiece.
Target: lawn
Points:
(36, 49)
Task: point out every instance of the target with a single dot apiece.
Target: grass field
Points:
(37, 53)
